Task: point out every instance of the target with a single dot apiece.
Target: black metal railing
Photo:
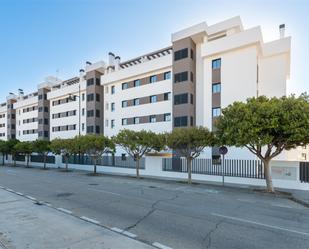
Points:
(304, 171)
(111, 161)
(20, 158)
(230, 167)
(40, 159)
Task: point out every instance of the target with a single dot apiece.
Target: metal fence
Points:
(40, 159)
(111, 161)
(304, 171)
(20, 158)
(230, 167)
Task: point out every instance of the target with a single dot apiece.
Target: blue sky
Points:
(55, 37)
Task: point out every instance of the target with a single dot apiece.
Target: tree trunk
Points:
(2, 158)
(95, 166)
(44, 159)
(137, 168)
(14, 160)
(66, 163)
(189, 165)
(268, 178)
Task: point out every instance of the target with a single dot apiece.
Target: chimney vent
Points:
(282, 30)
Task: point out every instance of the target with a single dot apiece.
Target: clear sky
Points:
(55, 37)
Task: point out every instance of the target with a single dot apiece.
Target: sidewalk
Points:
(23, 224)
(301, 196)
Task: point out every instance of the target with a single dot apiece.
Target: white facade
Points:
(249, 68)
(3, 121)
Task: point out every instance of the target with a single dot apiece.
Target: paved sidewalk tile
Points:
(24, 224)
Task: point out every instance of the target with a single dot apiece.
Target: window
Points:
(137, 83)
(153, 98)
(216, 88)
(97, 129)
(216, 64)
(45, 96)
(124, 103)
(83, 97)
(40, 121)
(113, 107)
(45, 109)
(167, 75)
(40, 109)
(181, 99)
(83, 112)
(46, 133)
(112, 123)
(45, 121)
(152, 119)
(191, 121)
(191, 77)
(179, 77)
(90, 82)
(191, 98)
(83, 126)
(153, 79)
(97, 113)
(112, 89)
(192, 56)
(167, 117)
(124, 121)
(106, 122)
(40, 96)
(167, 96)
(90, 129)
(216, 112)
(136, 120)
(97, 97)
(181, 121)
(90, 97)
(180, 54)
(90, 113)
(125, 86)
(97, 81)
(136, 102)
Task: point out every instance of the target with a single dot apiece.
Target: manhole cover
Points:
(64, 194)
(93, 184)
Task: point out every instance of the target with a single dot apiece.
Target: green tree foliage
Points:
(189, 143)
(42, 147)
(4, 150)
(11, 148)
(64, 147)
(138, 143)
(94, 146)
(24, 148)
(266, 127)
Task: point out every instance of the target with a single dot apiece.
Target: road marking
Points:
(116, 229)
(8, 189)
(104, 191)
(159, 245)
(47, 204)
(281, 205)
(21, 194)
(89, 220)
(31, 198)
(260, 224)
(1, 187)
(132, 235)
(65, 210)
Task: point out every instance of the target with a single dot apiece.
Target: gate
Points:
(304, 171)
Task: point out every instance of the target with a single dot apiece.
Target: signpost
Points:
(223, 150)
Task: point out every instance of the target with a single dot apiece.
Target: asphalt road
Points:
(172, 214)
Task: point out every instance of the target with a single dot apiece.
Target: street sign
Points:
(223, 150)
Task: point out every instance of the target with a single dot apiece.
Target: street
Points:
(173, 214)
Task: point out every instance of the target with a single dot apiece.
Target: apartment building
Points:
(204, 69)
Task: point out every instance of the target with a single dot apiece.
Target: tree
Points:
(24, 148)
(11, 148)
(65, 147)
(3, 149)
(42, 147)
(190, 142)
(94, 146)
(138, 143)
(266, 127)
